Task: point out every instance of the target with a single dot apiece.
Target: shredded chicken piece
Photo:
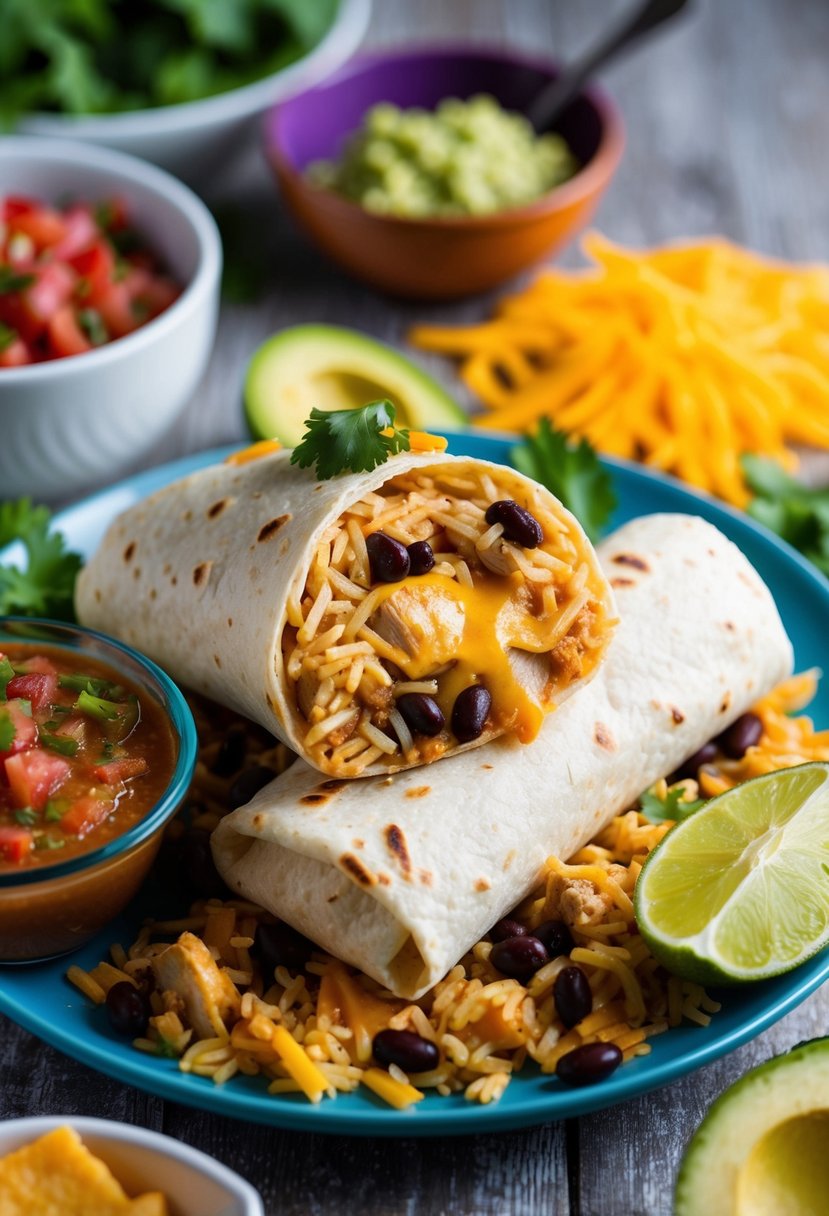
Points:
(577, 902)
(188, 970)
(424, 622)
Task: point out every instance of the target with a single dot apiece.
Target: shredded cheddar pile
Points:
(683, 357)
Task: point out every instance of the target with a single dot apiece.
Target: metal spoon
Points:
(555, 97)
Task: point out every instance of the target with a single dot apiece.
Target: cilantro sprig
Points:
(46, 586)
(571, 471)
(673, 806)
(794, 511)
(357, 440)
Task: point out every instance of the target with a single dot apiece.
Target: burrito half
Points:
(401, 875)
(373, 622)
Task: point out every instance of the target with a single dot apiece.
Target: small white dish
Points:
(197, 140)
(194, 1183)
(69, 424)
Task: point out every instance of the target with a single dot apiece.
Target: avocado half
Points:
(332, 368)
(763, 1147)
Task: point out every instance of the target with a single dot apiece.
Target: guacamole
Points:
(464, 158)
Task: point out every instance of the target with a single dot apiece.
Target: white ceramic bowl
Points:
(71, 423)
(196, 140)
(194, 1183)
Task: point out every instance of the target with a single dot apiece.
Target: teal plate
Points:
(40, 998)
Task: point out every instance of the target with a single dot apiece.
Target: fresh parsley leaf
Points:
(798, 514)
(46, 587)
(25, 817)
(12, 280)
(7, 731)
(571, 471)
(672, 807)
(350, 439)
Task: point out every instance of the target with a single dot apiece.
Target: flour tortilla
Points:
(401, 876)
(198, 576)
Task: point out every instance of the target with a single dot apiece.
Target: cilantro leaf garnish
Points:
(13, 280)
(357, 440)
(7, 336)
(8, 731)
(569, 470)
(794, 511)
(46, 587)
(672, 807)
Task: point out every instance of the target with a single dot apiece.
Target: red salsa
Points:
(84, 755)
(72, 278)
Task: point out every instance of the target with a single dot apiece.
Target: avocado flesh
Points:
(788, 1169)
(331, 368)
(763, 1147)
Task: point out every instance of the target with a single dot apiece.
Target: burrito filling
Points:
(436, 613)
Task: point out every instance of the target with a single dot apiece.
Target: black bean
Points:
(517, 523)
(231, 754)
(249, 782)
(421, 557)
(198, 866)
(556, 937)
(519, 957)
(506, 928)
(128, 1009)
(740, 736)
(405, 1049)
(389, 560)
(589, 1063)
(691, 766)
(470, 712)
(278, 945)
(421, 714)
(572, 996)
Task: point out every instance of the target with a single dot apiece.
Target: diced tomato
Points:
(45, 226)
(29, 312)
(16, 354)
(34, 776)
(85, 814)
(120, 770)
(157, 295)
(25, 727)
(81, 232)
(15, 843)
(14, 205)
(39, 689)
(41, 664)
(65, 334)
(96, 267)
(117, 314)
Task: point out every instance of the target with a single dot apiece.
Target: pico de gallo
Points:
(83, 755)
(73, 278)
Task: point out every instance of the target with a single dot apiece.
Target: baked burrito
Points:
(373, 622)
(400, 875)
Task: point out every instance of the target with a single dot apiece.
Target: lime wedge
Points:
(740, 890)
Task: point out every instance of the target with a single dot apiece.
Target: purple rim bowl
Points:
(315, 124)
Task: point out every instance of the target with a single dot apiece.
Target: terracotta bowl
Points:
(437, 258)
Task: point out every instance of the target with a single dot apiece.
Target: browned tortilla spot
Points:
(426, 877)
(419, 791)
(725, 704)
(174, 581)
(153, 593)
(129, 552)
(215, 511)
(356, 870)
(270, 529)
(136, 572)
(258, 820)
(313, 799)
(202, 573)
(217, 660)
(333, 786)
(384, 880)
(482, 884)
(630, 559)
(358, 843)
(230, 622)
(604, 737)
(622, 582)
(98, 596)
(730, 626)
(187, 516)
(487, 766)
(167, 569)
(332, 899)
(396, 842)
(677, 715)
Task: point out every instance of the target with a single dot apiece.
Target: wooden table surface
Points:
(726, 115)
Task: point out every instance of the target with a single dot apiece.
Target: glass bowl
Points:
(56, 907)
